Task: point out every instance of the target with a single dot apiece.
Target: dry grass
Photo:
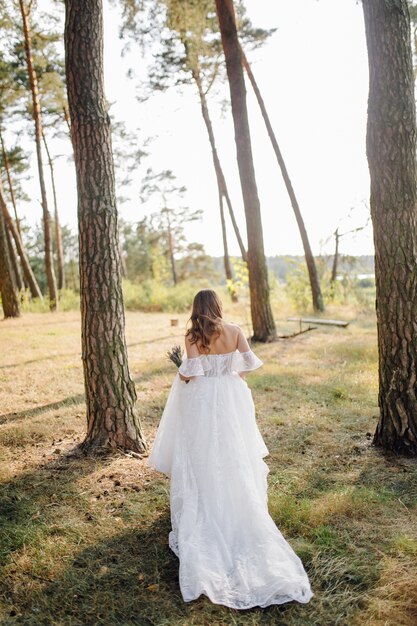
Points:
(84, 540)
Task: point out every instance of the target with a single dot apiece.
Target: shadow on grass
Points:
(50, 357)
(76, 399)
(129, 578)
(49, 484)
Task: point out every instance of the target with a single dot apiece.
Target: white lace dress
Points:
(209, 443)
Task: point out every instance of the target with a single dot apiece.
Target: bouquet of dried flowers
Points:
(175, 355)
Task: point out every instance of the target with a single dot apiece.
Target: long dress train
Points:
(209, 443)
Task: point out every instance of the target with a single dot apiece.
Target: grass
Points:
(84, 540)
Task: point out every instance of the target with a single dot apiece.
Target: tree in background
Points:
(13, 163)
(145, 248)
(48, 65)
(391, 150)
(8, 289)
(57, 225)
(110, 392)
(262, 319)
(37, 118)
(169, 220)
(316, 294)
(191, 53)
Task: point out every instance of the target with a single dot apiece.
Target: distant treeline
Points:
(282, 265)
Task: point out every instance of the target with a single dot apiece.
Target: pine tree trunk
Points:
(110, 392)
(27, 270)
(9, 295)
(9, 182)
(58, 236)
(226, 259)
(262, 319)
(13, 199)
(317, 298)
(391, 151)
(49, 262)
(13, 260)
(221, 181)
(171, 249)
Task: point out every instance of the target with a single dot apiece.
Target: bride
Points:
(208, 442)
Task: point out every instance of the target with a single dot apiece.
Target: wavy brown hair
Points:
(205, 318)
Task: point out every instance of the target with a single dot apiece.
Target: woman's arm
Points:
(192, 352)
(242, 346)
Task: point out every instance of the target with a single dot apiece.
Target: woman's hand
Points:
(184, 378)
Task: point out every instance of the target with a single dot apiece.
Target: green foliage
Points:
(348, 289)
(69, 300)
(298, 287)
(151, 296)
(239, 284)
(148, 296)
(155, 248)
(184, 39)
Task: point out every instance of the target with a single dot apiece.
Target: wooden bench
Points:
(314, 320)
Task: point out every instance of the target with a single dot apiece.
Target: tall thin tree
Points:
(57, 225)
(13, 260)
(316, 294)
(191, 51)
(27, 270)
(220, 177)
(110, 392)
(37, 118)
(223, 191)
(9, 181)
(8, 290)
(262, 319)
(391, 150)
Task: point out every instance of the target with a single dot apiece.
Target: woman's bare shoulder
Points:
(231, 326)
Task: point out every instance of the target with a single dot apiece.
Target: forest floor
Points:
(84, 540)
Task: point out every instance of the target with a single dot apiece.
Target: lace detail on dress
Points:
(245, 361)
(220, 364)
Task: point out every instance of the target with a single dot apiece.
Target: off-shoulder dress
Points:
(209, 444)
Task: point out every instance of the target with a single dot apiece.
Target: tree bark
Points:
(13, 261)
(27, 270)
(391, 151)
(9, 295)
(221, 181)
(58, 236)
(262, 319)
(110, 392)
(49, 263)
(13, 199)
(9, 182)
(227, 268)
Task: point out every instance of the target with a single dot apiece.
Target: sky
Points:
(313, 75)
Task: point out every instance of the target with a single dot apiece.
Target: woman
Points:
(209, 444)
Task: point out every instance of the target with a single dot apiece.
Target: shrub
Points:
(151, 296)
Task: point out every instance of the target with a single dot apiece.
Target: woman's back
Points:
(231, 338)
